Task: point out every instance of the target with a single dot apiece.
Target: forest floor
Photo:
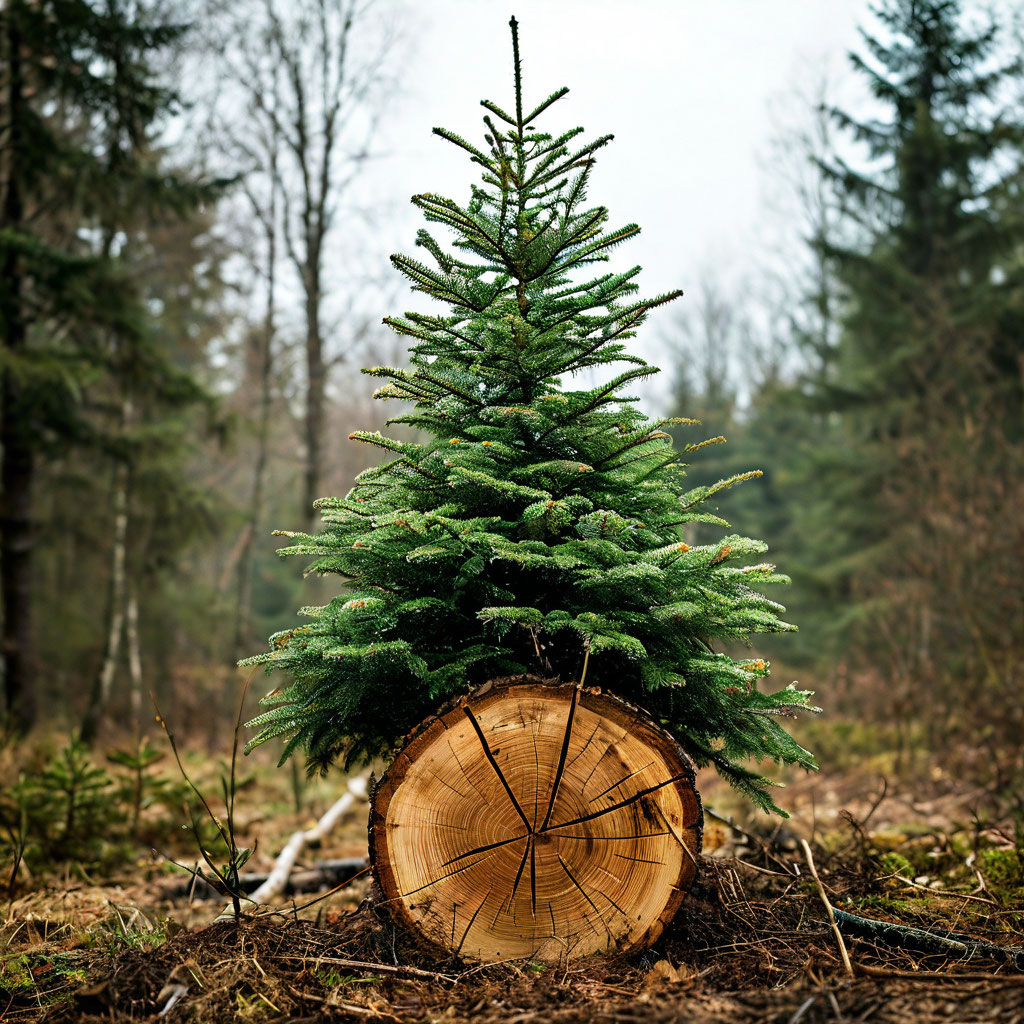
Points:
(753, 941)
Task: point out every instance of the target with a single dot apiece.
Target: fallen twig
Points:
(828, 906)
(362, 965)
(902, 936)
(888, 972)
(938, 892)
(278, 877)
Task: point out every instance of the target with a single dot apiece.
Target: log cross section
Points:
(536, 820)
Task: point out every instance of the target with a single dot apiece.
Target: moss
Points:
(16, 973)
(893, 863)
(1003, 872)
(909, 905)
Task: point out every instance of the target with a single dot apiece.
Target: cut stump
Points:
(536, 819)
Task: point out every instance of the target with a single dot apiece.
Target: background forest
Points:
(192, 275)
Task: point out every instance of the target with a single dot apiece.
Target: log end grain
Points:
(537, 820)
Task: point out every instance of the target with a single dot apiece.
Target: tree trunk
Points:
(18, 479)
(533, 819)
(262, 367)
(17, 473)
(134, 658)
(316, 373)
(104, 681)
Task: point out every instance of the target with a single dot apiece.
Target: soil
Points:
(752, 942)
(749, 946)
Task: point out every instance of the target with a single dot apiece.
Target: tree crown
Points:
(537, 529)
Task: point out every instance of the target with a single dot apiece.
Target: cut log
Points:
(536, 819)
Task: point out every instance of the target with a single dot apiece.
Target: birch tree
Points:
(311, 75)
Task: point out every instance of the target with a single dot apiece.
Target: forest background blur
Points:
(185, 297)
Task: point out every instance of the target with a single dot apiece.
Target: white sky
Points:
(693, 90)
(687, 87)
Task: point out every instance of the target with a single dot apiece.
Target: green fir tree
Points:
(910, 509)
(540, 528)
(84, 195)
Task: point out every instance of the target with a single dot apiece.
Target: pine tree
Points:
(924, 391)
(82, 183)
(539, 529)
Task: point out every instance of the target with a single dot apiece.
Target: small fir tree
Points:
(539, 529)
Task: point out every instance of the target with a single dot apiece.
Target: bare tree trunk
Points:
(268, 217)
(17, 474)
(103, 683)
(316, 374)
(243, 601)
(309, 74)
(16, 544)
(134, 657)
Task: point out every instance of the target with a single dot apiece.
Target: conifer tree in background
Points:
(540, 528)
(87, 364)
(915, 523)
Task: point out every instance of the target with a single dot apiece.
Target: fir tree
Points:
(923, 394)
(540, 528)
(81, 185)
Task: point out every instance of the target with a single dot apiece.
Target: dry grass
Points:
(753, 942)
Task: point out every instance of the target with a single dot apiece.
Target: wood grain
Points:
(536, 819)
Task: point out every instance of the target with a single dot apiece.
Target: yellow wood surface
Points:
(535, 820)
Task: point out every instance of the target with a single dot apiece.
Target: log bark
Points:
(536, 819)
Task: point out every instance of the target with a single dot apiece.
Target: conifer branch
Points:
(553, 98)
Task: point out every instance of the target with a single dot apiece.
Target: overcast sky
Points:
(691, 89)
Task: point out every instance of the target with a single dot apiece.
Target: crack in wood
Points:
(441, 878)
(613, 743)
(497, 913)
(533, 877)
(497, 770)
(676, 836)
(448, 785)
(434, 822)
(621, 781)
(608, 839)
(519, 873)
(586, 895)
(622, 803)
(585, 747)
(564, 753)
(462, 942)
(466, 775)
(536, 778)
(483, 849)
(639, 860)
(616, 906)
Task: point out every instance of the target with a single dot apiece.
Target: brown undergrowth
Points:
(753, 943)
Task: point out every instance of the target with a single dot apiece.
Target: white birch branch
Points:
(278, 878)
